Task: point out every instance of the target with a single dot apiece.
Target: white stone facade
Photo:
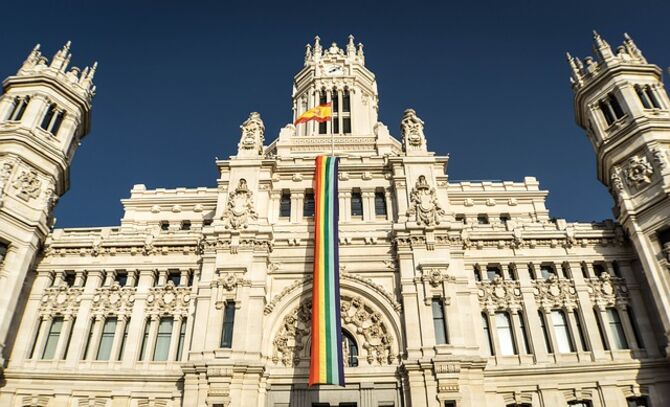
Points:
(453, 294)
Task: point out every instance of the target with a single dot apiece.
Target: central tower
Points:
(339, 77)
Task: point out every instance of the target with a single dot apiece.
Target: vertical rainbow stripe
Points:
(326, 365)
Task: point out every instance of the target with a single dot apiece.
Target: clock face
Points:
(333, 70)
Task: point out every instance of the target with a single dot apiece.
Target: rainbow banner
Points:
(326, 365)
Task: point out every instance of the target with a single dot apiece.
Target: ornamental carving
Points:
(27, 185)
(659, 157)
(638, 171)
(226, 285)
(607, 291)
(499, 294)
(168, 300)
(411, 128)
(240, 207)
(118, 299)
(555, 293)
(62, 300)
(435, 276)
(291, 344)
(253, 136)
(5, 173)
(616, 181)
(424, 206)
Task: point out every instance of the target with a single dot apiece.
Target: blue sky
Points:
(176, 79)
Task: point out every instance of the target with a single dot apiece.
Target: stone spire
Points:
(351, 48)
(601, 48)
(576, 67)
(632, 49)
(61, 60)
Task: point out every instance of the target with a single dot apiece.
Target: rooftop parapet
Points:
(77, 80)
(584, 72)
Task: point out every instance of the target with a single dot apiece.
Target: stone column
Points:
(604, 325)
(389, 205)
(493, 332)
(590, 327)
(536, 336)
(64, 337)
(549, 325)
(151, 341)
(296, 213)
(80, 332)
(7, 105)
(368, 198)
(174, 338)
(45, 325)
(121, 321)
(92, 352)
(162, 278)
(518, 333)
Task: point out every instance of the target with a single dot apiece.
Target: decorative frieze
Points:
(607, 291)
(115, 299)
(168, 300)
(555, 293)
(499, 294)
(61, 300)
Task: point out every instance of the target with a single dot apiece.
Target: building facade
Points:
(460, 294)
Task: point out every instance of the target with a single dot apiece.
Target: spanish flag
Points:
(321, 113)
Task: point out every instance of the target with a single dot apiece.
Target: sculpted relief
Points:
(424, 206)
(240, 207)
(253, 136)
(411, 127)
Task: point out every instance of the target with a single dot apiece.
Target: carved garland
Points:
(291, 344)
(114, 299)
(61, 300)
(555, 293)
(168, 300)
(607, 291)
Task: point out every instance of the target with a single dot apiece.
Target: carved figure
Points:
(240, 207)
(411, 128)
(659, 157)
(424, 205)
(253, 135)
(28, 185)
(639, 171)
(5, 173)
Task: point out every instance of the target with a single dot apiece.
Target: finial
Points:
(577, 77)
(37, 47)
(308, 53)
(632, 49)
(317, 41)
(317, 50)
(601, 48)
(351, 48)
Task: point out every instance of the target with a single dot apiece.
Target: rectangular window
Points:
(52, 338)
(346, 102)
(562, 332)
(228, 325)
(323, 127)
(106, 339)
(439, 322)
(482, 219)
(492, 272)
(285, 205)
(46, 121)
(163, 339)
(380, 204)
(616, 329)
(186, 225)
(165, 226)
(504, 217)
(69, 278)
(487, 335)
(175, 277)
(356, 204)
(346, 125)
(182, 335)
(460, 218)
(547, 271)
(145, 339)
(505, 336)
(308, 205)
(545, 333)
(599, 269)
(121, 278)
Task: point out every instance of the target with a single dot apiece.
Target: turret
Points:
(45, 111)
(621, 103)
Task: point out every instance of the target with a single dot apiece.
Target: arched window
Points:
(336, 110)
(323, 100)
(349, 349)
(52, 119)
(346, 112)
(505, 336)
(20, 104)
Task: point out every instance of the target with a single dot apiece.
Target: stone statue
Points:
(253, 136)
(411, 127)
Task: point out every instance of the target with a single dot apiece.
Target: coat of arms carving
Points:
(424, 206)
(240, 207)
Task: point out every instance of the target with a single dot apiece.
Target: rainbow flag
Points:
(326, 364)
